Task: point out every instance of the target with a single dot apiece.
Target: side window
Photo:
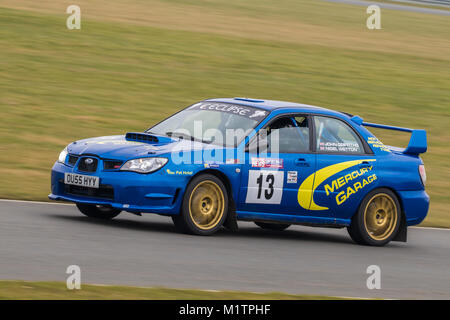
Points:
(283, 135)
(336, 136)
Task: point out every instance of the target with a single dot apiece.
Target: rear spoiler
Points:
(417, 143)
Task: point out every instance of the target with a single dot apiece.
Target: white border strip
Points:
(431, 228)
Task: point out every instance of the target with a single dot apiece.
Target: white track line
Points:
(431, 228)
(71, 204)
(35, 202)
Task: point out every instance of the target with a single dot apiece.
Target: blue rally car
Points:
(275, 163)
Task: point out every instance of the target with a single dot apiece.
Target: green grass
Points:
(27, 290)
(135, 62)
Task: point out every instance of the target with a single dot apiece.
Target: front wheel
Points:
(205, 205)
(97, 211)
(377, 220)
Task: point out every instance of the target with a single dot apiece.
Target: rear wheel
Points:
(377, 220)
(272, 226)
(205, 204)
(97, 211)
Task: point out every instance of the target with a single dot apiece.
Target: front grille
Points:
(87, 164)
(72, 160)
(104, 192)
(111, 164)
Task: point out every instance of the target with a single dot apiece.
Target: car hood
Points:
(122, 147)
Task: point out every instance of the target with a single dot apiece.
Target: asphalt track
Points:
(38, 241)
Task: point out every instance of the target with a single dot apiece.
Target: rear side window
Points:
(335, 136)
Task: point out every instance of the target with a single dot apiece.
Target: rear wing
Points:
(417, 143)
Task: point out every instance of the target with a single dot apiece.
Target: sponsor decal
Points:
(211, 165)
(249, 112)
(374, 142)
(179, 172)
(232, 161)
(273, 163)
(292, 177)
(344, 180)
(258, 113)
(306, 190)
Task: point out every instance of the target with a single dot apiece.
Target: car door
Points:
(345, 171)
(279, 159)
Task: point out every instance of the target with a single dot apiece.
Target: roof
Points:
(271, 104)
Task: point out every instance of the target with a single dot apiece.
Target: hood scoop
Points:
(147, 138)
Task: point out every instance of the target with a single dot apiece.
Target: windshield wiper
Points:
(185, 136)
(179, 135)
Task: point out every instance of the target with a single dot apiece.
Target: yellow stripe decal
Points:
(310, 184)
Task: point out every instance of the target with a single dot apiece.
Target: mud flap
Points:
(231, 221)
(401, 235)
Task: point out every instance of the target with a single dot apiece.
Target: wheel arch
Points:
(219, 174)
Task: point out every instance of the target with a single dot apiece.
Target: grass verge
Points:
(27, 290)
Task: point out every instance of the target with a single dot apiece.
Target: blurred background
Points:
(135, 62)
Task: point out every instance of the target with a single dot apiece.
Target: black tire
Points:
(98, 212)
(272, 226)
(204, 208)
(378, 218)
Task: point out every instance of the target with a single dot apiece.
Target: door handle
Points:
(301, 162)
(364, 164)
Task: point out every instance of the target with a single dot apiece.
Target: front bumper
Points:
(129, 191)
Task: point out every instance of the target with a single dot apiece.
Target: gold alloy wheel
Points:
(206, 205)
(380, 216)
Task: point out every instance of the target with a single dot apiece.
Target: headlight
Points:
(144, 165)
(63, 155)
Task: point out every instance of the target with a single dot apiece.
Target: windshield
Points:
(218, 123)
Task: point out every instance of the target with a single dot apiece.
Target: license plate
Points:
(81, 180)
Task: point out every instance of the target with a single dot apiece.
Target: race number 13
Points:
(265, 186)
